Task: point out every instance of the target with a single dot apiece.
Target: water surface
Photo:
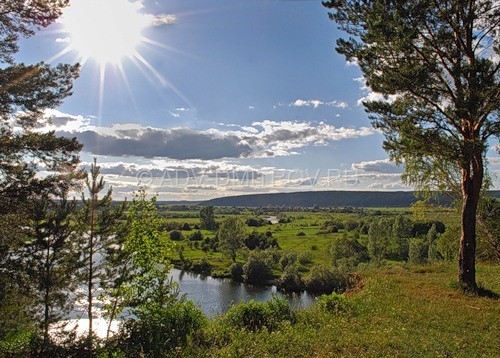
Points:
(216, 296)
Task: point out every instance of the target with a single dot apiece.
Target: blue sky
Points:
(223, 97)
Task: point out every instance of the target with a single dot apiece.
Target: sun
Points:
(106, 31)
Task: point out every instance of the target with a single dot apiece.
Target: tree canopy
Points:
(435, 67)
(26, 91)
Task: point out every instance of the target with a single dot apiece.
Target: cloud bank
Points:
(260, 139)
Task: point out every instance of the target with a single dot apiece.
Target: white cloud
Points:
(377, 166)
(371, 95)
(260, 139)
(164, 19)
(315, 103)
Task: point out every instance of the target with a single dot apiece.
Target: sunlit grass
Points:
(400, 312)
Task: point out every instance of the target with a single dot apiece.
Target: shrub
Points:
(288, 258)
(325, 280)
(255, 222)
(334, 303)
(202, 267)
(351, 225)
(348, 250)
(260, 240)
(196, 236)
(291, 280)
(176, 235)
(448, 243)
(256, 271)
(418, 251)
(301, 233)
(422, 228)
(254, 316)
(236, 270)
(159, 332)
(186, 227)
(305, 257)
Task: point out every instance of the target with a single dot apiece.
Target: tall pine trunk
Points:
(91, 271)
(472, 180)
(46, 316)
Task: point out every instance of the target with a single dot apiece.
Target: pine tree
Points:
(52, 258)
(436, 65)
(99, 224)
(26, 91)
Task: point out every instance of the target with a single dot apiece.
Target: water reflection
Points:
(215, 296)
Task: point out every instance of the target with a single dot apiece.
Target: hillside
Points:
(328, 199)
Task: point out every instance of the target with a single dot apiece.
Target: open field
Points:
(304, 233)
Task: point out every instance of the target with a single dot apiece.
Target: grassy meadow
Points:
(303, 234)
(398, 311)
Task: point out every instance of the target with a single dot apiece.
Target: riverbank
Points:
(401, 311)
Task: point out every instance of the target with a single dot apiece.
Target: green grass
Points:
(310, 223)
(400, 312)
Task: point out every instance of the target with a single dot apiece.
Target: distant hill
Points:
(328, 199)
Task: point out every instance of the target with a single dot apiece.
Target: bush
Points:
(349, 251)
(256, 271)
(236, 270)
(159, 332)
(186, 227)
(334, 303)
(305, 257)
(422, 228)
(196, 236)
(256, 222)
(291, 280)
(351, 225)
(254, 316)
(288, 258)
(202, 267)
(325, 280)
(448, 243)
(301, 233)
(260, 240)
(418, 251)
(176, 235)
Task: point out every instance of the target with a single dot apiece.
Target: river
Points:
(215, 296)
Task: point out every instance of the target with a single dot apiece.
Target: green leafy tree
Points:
(401, 233)
(207, 218)
(347, 252)
(231, 235)
(149, 287)
(431, 239)
(447, 243)
(379, 236)
(489, 221)
(439, 62)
